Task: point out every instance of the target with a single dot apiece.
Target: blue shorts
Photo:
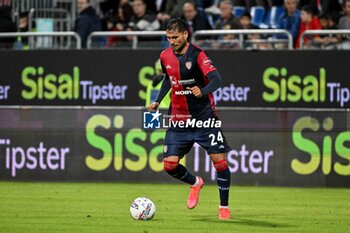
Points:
(180, 141)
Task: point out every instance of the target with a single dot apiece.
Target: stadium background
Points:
(73, 154)
(285, 114)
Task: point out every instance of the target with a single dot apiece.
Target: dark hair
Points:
(177, 24)
(334, 16)
(127, 11)
(23, 14)
(308, 9)
(246, 14)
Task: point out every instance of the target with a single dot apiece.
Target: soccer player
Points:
(192, 78)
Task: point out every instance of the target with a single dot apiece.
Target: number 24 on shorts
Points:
(216, 138)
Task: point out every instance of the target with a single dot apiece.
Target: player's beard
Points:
(180, 49)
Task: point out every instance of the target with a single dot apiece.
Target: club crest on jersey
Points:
(188, 65)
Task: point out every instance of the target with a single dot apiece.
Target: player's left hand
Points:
(153, 106)
(196, 91)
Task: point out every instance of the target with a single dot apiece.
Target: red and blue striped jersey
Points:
(188, 70)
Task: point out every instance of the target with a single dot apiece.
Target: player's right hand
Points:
(153, 106)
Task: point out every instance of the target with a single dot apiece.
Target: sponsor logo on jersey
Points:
(207, 62)
(183, 92)
(187, 81)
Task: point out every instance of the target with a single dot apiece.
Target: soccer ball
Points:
(142, 208)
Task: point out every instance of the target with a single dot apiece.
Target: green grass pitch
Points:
(104, 207)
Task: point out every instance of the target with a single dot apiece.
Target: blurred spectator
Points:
(290, 19)
(108, 7)
(6, 23)
(120, 23)
(327, 41)
(227, 20)
(125, 13)
(143, 20)
(322, 6)
(245, 21)
(87, 21)
(23, 26)
(309, 21)
(328, 21)
(344, 23)
(195, 20)
(252, 41)
(173, 9)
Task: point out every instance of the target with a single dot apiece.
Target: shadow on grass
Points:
(244, 221)
(259, 223)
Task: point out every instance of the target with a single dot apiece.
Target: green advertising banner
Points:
(288, 148)
(297, 79)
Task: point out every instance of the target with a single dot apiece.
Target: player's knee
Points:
(170, 165)
(221, 165)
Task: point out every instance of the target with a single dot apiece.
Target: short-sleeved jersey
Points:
(188, 70)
